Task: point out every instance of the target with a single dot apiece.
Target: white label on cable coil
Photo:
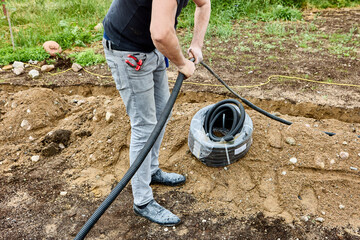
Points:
(240, 149)
(196, 149)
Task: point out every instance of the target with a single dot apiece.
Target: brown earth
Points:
(262, 196)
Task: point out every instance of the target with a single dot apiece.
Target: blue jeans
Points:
(144, 93)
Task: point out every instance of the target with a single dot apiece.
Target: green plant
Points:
(8, 55)
(87, 58)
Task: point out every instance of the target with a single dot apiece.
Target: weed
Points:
(275, 29)
(87, 58)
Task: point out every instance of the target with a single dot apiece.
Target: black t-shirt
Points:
(127, 24)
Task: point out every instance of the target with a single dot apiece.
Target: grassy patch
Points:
(87, 58)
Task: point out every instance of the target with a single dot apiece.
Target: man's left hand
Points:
(196, 53)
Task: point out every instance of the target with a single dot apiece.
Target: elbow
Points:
(159, 36)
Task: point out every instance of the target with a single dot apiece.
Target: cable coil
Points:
(220, 134)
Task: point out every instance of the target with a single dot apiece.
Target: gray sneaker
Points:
(169, 179)
(157, 214)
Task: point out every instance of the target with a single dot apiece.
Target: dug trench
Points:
(64, 148)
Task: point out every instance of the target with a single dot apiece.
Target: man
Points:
(137, 36)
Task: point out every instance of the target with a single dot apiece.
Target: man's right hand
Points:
(187, 69)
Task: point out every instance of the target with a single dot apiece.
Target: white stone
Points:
(31, 138)
(166, 229)
(33, 62)
(34, 74)
(61, 146)
(322, 212)
(13, 105)
(81, 102)
(18, 70)
(35, 158)
(293, 160)
(204, 221)
(25, 124)
(109, 117)
(332, 161)
(320, 219)
(283, 173)
(28, 111)
(17, 64)
(304, 218)
(344, 155)
(354, 168)
(63, 193)
(341, 206)
(344, 143)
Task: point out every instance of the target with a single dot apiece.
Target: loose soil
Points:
(62, 119)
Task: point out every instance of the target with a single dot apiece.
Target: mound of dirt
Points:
(296, 172)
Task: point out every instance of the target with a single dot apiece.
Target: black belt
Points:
(110, 45)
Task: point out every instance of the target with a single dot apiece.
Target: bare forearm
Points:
(202, 16)
(170, 47)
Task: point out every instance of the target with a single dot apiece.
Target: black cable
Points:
(227, 112)
(256, 108)
(137, 163)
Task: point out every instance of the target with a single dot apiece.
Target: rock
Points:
(320, 219)
(344, 155)
(35, 158)
(52, 48)
(33, 62)
(344, 143)
(283, 173)
(34, 74)
(13, 105)
(18, 71)
(50, 150)
(341, 206)
(81, 102)
(304, 218)
(293, 160)
(291, 141)
(47, 68)
(61, 146)
(31, 139)
(353, 168)
(63, 193)
(98, 27)
(59, 136)
(7, 67)
(275, 138)
(109, 117)
(76, 67)
(17, 64)
(25, 124)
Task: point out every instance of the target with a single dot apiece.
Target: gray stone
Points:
(291, 141)
(76, 67)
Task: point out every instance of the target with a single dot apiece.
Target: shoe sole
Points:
(168, 184)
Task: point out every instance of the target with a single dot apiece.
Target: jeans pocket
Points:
(120, 82)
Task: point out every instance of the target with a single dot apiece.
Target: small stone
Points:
(63, 193)
(341, 206)
(204, 221)
(283, 173)
(225, 168)
(109, 141)
(7, 67)
(291, 141)
(322, 212)
(307, 125)
(250, 72)
(18, 71)
(344, 155)
(344, 143)
(359, 154)
(25, 124)
(47, 68)
(293, 160)
(35, 158)
(109, 117)
(33, 62)
(76, 67)
(61, 146)
(353, 168)
(28, 111)
(31, 138)
(332, 161)
(34, 74)
(52, 47)
(320, 219)
(17, 64)
(13, 105)
(81, 102)
(304, 218)
(166, 229)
